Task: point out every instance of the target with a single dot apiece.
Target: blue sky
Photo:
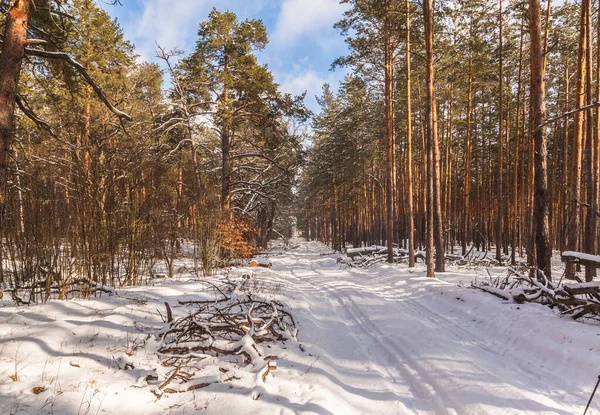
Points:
(302, 41)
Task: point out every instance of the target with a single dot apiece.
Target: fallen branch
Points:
(578, 300)
(236, 324)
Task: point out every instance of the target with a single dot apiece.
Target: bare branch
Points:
(246, 155)
(41, 124)
(568, 113)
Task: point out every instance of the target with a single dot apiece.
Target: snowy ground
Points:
(380, 341)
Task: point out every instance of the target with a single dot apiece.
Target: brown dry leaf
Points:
(38, 389)
(269, 369)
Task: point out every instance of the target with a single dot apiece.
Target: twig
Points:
(169, 312)
(311, 365)
(166, 382)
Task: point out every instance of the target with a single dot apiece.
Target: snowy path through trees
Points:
(381, 340)
(387, 341)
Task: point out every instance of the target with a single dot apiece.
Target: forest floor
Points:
(382, 340)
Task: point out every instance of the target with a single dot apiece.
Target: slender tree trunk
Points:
(467, 163)
(438, 222)
(226, 168)
(596, 179)
(500, 195)
(335, 243)
(435, 232)
(574, 227)
(389, 126)
(449, 159)
(13, 50)
(589, 233)
(409, 167)
(226, 139)
(517, 151)
(565, 164)
(538, 109)
(547, 31)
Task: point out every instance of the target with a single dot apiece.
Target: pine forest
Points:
(319, 206)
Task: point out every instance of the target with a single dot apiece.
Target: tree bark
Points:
(13, 51)
(517, 152)
(226, 149)
(500, 195)
(590, 219)
(389, 127)
(538, 110)
(467, 163)
(411, 213)
(435, 234)
(438, 221)
(574, 227)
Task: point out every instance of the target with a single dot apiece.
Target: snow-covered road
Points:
(382, 340)
(386, 341)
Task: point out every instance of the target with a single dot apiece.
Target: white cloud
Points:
(163, 22)
(297, 65)
(300, 80)
(311, 18)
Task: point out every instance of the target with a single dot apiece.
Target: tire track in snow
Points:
(424, 386)
(473, 339)
(342, 285)
(306, 281)
(473, 364)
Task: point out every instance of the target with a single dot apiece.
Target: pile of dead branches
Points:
(578, 299)
(369, 256)
(230, 331)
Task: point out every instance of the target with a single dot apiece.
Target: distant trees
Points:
(518, 160)
(373, 50)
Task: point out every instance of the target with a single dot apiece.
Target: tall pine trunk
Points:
(538, 111)
(389, 126)
(500, 195)
(589, 233)
(411, 213)
(435, 232)
(13, 51)
(517, 152)
(574, 226)
(467, 163)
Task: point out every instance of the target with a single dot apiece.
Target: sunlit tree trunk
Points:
(435, 231)
(409, 168)
(390, 142)
(538, 110)
(517, 152)
(13, 50)
(589, 233)
(467, 163)
(574, 226)
(500, 195)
